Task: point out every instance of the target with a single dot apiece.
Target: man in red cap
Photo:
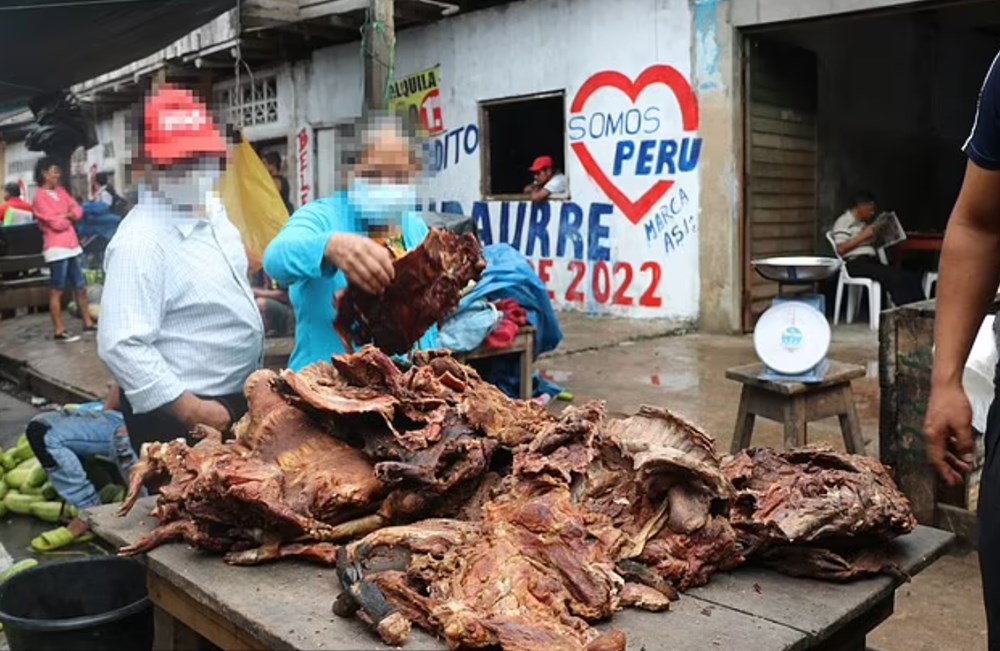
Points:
(547, 184)
(180, 329)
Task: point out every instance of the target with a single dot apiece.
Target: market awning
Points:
(47, 45)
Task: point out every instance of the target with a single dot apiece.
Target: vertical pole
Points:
(380, 39)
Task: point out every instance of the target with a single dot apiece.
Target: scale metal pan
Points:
(791, 338)
(796, 269)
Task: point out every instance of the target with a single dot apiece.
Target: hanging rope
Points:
(239, 64)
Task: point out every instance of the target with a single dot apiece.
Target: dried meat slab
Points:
(427, 288)
(814, 512)
(282, 479)
(815, 495)
(531, 572)
(556, 547)
(658, 478)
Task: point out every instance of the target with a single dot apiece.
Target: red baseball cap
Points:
(541, 163)
(178, 126)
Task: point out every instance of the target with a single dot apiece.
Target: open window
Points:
(516, 130)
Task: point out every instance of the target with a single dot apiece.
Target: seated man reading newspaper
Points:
(857, 233)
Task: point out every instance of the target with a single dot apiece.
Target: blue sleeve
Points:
(298, 251)
(415, 230)
(983, 145)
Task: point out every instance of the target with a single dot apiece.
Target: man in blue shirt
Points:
(343, 238)
(970, 274)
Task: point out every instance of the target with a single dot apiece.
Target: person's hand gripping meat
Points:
(364, 262)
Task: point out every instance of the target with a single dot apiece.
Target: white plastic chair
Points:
(854, 287)
(930, 279)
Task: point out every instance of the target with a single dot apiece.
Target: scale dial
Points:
(792, 337)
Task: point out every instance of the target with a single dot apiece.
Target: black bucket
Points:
(80, 605)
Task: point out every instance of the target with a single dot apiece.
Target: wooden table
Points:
(916, 242)
(523, 347)
(288, 605)
(795, 404)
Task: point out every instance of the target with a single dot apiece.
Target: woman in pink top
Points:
(55, 211)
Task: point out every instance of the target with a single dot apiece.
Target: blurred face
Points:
(51, 176)
(542, 176)
(389, 159)
(865, 211)
(187, 185)
(271, 169)
(382, 186)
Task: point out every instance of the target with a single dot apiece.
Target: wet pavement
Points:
(686, 374)
(627, 364)
(27, 340)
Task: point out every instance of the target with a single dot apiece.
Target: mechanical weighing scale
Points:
(792, 338)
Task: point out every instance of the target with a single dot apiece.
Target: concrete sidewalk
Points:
(53, 369)
(626, 364)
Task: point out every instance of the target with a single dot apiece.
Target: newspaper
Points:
(888, 230)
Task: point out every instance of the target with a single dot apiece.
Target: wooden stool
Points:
(796, 403)
(523, 347)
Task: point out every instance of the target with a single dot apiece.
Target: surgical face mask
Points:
(382, 204)
(190, 190)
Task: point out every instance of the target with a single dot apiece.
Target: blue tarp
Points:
(97, 220)
(508, 275)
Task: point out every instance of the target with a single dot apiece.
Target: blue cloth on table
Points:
(509, 275)
(465, 330)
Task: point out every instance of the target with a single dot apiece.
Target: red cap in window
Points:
(541, 163)
(178, 126)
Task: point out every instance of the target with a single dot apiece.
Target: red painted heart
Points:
(659, 74)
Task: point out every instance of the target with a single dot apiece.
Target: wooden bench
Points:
(22, 291)
(795, 404)
(287, 605)
(523, 347)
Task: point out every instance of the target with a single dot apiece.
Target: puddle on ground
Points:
(674, 381)
(555, 375)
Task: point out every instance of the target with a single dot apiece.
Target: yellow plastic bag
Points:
(252, 201)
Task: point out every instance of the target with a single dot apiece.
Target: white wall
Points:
(648, 268)
(20, 168)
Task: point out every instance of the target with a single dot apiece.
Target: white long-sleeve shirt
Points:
(177, 311)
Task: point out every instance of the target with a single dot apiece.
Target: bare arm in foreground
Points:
(970, 273)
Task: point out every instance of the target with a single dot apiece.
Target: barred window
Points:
(251, 104)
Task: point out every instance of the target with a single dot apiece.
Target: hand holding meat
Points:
(364, 262)
(948, 428)
(427, 286)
